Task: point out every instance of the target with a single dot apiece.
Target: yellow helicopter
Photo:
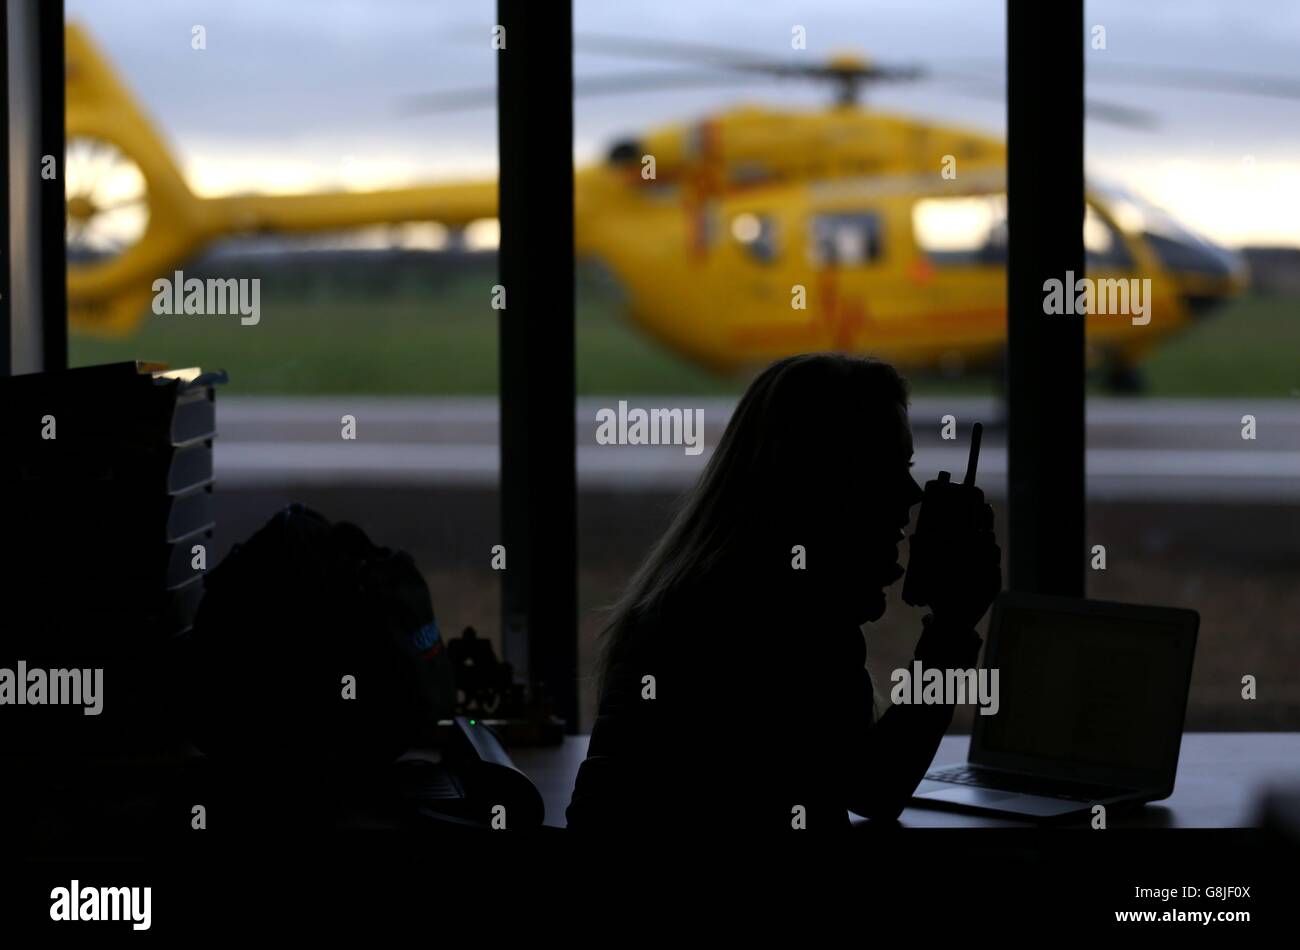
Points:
(742, 237)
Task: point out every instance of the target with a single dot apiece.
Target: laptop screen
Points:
(1095, 694)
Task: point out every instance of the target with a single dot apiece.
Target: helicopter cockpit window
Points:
(966, 230)
(625, 151)
(756, 233)
(846, 238)
(1103, 243)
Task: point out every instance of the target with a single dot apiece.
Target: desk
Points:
(1219, 777)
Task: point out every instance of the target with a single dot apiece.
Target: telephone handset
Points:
(950, 512)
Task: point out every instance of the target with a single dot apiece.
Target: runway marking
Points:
(1138, 448)
(1112, 472)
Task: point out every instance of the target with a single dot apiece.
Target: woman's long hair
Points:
(803, 415)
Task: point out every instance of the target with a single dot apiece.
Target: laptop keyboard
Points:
(424, 781)
(1025, 784)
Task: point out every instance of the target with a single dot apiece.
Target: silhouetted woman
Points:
(733, 692)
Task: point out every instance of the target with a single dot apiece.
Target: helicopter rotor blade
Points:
(1248, 84)
(1172, 77)
(605, 85)
(1097, 110)
(681, 51)
(722, 57)
(1272, 86)
(725, 66)
(485, 97)
(454, 100)
(1114, 113)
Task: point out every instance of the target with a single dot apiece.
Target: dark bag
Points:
(312, 640)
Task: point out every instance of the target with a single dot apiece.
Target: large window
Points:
(358, 230)
(725, 222)
(1193, 454)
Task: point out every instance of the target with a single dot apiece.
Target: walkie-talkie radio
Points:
(950, 514)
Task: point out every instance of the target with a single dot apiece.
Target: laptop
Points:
(1092, 697)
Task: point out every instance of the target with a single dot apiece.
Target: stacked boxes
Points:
(106, 514)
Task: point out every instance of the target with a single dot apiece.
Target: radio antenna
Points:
(976, 433)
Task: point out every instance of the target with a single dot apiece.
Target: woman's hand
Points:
(969, 576)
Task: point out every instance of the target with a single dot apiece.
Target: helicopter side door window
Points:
(971, 230)
(962, 230)
(846, 239)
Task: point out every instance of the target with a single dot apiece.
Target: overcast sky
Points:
(292, 95)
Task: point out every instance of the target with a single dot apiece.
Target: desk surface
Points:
(1219, 777)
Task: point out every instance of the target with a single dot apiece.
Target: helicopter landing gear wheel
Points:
(1123, 379)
